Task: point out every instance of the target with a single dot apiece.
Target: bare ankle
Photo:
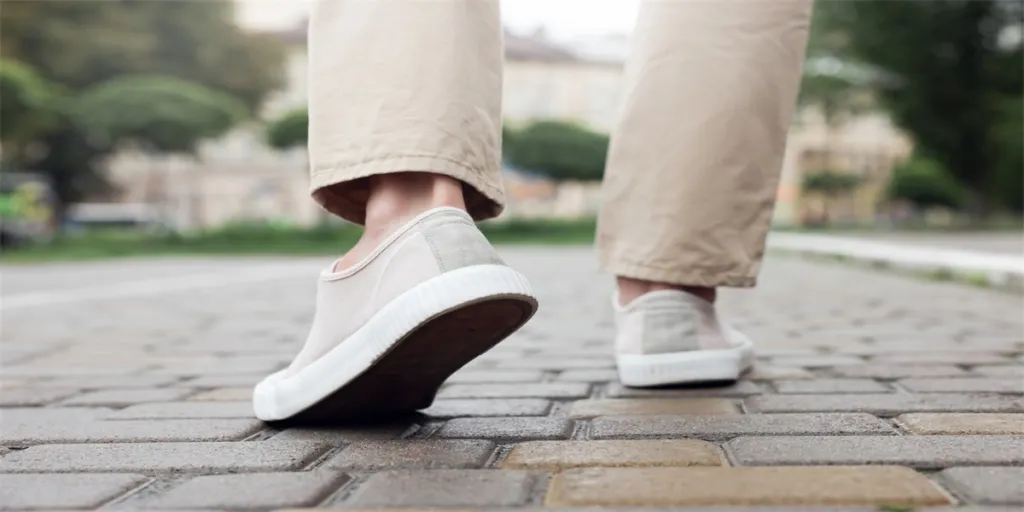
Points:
(631, 289)
(396, 198)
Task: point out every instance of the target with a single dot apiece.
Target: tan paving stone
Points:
(645, 406)
(963, 423)
(838, 485)
(555, 455)
(223, 395)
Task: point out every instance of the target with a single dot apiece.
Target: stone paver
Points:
(557, 455)
(1009, 385)
(963, 423)
(641, 406)
(454, 408)
(444, 488)
(249, 491)
(831, 386)
(155, 457)
(184, 410)
(895, 371)
(342, 435)
(888, 486)
(886, 405)
(740, 389)
(19, 397)
(853, 366)
(516, 390)
(223, 395)
(125, 397)
(726, 427)
(507, 428)
(414, 454)
(994, 486)
(916, 451)
(127, 431)
(63, 491)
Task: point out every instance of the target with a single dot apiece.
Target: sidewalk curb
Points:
(1005, 272)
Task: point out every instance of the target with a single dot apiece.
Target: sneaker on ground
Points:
(673, 337)
(389, 330)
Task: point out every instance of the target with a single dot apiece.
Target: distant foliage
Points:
(925, 184)
(163, 114)
(559, 150)
(26, 102)
(290, 130)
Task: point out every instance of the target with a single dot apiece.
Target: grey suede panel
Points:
(457, 243)
(669, 327)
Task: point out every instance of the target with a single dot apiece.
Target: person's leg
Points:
(692, 174)
(405, 138)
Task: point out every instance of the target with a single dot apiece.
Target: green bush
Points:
(290, 130)
(925, 183)
(830, 183)
(559, 150)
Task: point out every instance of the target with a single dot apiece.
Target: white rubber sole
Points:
(277, 398)
(685, 367)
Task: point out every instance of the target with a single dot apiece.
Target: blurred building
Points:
(239, 178)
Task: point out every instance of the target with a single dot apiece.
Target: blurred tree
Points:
(161, 114)
(831, 185)
(925, 184)
(28, 104)
(80, 44)
(290, 130)
(954, 67)
(559, 150)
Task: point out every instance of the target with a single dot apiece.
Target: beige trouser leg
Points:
(695, 158)
(404, 86)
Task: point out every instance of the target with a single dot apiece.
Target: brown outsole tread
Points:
(407, 377)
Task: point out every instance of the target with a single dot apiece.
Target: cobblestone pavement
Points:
(125, 385)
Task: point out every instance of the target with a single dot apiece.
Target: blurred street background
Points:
(140, 127)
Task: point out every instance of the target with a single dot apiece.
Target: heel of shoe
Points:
(683, 367)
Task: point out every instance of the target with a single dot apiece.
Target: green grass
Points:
(262, 239)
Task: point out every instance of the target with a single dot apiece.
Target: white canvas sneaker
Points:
(389, 330)
(673, 337)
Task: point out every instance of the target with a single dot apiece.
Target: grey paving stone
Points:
(885, 405)
(917, 451)
(588, 376)
(998, 371)
(831, 386)
(768, 372)
(506, 428)
(516, 390)
(957, 358)
(25, 433)
(414, 454)
(222, 381)
(63, 491)
(897, 371)
(1007, 385)
(108, 381)
(340, 435)
(738, 389)
(184, 410)
(822, 361)
(35, 415)
(557, 364)
(250, 491)
(454, 408)
(444, 488)
(125, 397)
(990, 486)
(233, 366)
(490, 376)
(162, 457)
(717, 428)
(20, 397)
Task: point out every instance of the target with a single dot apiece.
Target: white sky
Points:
(563, 18)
